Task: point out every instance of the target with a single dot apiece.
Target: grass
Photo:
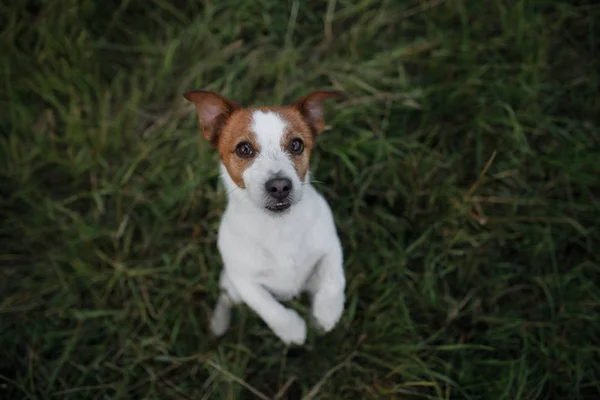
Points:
(463, 170)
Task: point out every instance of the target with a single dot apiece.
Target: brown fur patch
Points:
(297, 128)
(236, 131)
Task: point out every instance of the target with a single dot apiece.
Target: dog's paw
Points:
(219, 323)
(218, 326)
(327, 310)
(292, 329)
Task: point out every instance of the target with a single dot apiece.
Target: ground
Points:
(463, 168)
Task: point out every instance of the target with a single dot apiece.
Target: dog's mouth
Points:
(278, 207)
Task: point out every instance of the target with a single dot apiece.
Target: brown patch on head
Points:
(225, 124)
(305, 117)
(237, 132)
(297, 129)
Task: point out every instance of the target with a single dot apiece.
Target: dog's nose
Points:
(278, 188)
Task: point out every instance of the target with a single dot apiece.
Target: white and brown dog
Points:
(277, 237)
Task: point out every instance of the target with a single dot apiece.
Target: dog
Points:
(277, 237)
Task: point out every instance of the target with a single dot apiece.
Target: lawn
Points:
(463, 169)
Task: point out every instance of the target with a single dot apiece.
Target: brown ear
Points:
(213, 111)
(311, 108)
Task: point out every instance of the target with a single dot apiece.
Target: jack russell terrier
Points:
(277, 236)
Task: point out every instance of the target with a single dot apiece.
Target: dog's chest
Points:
(284, 270)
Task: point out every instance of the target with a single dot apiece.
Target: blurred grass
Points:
(463, 170)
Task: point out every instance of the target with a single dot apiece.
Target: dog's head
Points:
(265, 150)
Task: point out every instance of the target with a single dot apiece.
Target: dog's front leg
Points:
(326, 287)
(221, 315)
(284, 322)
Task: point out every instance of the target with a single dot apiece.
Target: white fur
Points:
(275, 256)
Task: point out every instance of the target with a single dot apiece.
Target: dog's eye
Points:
(296, 146)
(244, 150)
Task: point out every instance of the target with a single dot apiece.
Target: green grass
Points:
(463, 170)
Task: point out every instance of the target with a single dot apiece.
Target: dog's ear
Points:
(213, 111)
(311, 108)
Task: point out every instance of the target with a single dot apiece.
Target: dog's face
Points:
(265, 150)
